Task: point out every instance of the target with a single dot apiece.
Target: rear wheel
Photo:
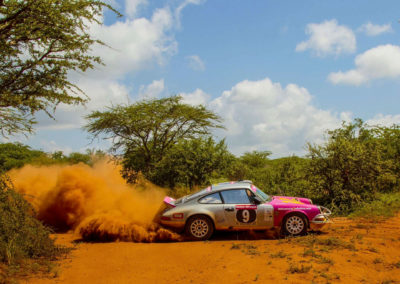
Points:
(199, 228)
(294, 225)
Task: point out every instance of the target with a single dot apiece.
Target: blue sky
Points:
(279, 72)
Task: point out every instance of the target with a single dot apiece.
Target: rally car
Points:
(240, 206)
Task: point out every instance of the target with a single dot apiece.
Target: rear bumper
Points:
(173, 224)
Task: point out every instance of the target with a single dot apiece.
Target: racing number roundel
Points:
(246, 214)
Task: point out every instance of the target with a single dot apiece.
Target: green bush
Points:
(385, 205)
(351, 168)
(21, 234)
(16, 155)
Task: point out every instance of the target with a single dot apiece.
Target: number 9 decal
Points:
(246, 215)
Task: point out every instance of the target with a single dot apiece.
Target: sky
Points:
(279, 73)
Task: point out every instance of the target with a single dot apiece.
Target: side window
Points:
(214, 198)
(250, 195)
(235, 196)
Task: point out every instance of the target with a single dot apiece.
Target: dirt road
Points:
(346, 252)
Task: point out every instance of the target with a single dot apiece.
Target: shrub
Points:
(21, 234)
(385, 205)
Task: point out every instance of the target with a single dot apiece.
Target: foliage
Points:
(21, 234)
(146, 130)
(288, 176)
(88, 158)
(40, 43)
(357, 163)
(15, 155)
(192, 162)
(384, 205)
(248, 166)
(12, 121)
(283, 176)
(350, 168)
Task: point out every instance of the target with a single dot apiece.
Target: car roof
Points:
(219, 187)
(231, 185)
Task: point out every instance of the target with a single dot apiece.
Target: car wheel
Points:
(199, 228)
(294, 225)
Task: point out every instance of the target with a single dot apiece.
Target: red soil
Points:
(347, 251)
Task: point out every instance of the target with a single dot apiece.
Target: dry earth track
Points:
(348, 251)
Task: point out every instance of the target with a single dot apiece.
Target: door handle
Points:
(230, 209)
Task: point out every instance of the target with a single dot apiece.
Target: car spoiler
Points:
(169, 201)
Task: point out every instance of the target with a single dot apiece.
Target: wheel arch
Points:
(200, 214)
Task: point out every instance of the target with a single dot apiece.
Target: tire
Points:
(294, 225)
(199, 228)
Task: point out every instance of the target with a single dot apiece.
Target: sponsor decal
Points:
(246, 215)
(293, 208)
(248, 207)
(290, 200)
(208, 188)
(253, 188)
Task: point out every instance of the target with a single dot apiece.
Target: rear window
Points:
(214, 198)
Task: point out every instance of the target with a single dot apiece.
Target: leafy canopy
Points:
(146, 130)
(351, 167)
(41, 41)
(192, 162)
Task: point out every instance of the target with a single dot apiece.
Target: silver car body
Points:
(220, 204)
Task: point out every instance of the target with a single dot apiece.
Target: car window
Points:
(250, 194)
(214, 198)
(235, 196)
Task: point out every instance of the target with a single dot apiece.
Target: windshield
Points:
(265, 197)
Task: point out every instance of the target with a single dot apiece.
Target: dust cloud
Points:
(94, 202)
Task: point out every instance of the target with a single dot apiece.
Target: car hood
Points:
(290, 200)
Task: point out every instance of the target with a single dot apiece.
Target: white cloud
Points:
(328, 38)
(374, 30)
(134, 44)
(263, 115)
(384, 120)
(182, 6)
(132, 6)
(379, 62)
(102, 93)
(196, 63)
(198, 97)
(153, 90)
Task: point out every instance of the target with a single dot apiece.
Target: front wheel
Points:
(294, 225)
(199, 228)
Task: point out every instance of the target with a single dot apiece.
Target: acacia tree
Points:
(144, 131)
(40, 42)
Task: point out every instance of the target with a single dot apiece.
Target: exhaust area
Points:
(93, 202)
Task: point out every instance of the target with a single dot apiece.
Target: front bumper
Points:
(321, 219)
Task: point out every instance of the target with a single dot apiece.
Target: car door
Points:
(212, 203)
(241, 211)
